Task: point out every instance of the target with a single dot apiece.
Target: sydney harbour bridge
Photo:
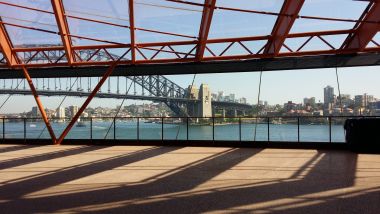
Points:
(156, 88)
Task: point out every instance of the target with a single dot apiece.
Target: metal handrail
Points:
(212, 121)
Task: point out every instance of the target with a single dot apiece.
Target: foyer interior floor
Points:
(149, 179)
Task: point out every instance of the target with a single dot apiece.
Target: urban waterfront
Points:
(126, 128)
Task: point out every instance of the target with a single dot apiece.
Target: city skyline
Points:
(278, 87)
(333, 104)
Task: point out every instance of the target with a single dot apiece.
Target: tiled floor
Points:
(131, 179)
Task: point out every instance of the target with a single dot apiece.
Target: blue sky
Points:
(277, 86)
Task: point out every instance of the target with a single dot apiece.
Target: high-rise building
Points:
(368, 99)
(60, 113)
(363, 100)
(243, 100)
(309, 101)
(232, 98)
(345, 99)
(35, 111)
(220, 96)
(328, 96)
(214, 97)
(73, 110)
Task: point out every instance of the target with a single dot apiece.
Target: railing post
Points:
(240, 129)
(114, 128)
(187, 128)
(3, 129)
(91, 129)
(138, 129)
(213, 129)
(329, 129)
(298, 129)
(162, 129)
(24, 129)
(268, 129)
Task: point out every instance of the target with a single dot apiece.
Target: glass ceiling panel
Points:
(343, 9)
(375, 41)
(22, 37)
(111, 11)
(226, 24)
(40, 4)
(168, 17)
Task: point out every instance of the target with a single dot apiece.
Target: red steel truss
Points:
(189, 48)
(357, 40)
(283, 25)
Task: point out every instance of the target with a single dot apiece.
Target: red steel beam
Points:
(132, 30)
(283, 25)
(12, 60)
(366, 30)
(39, 104)
(63, 29)
(177, 43)
(88, 100)
(212, 58)
(6, 47)
(208, 11)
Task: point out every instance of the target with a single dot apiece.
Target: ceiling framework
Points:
(283, 25)
(183, 48)
(366, 30)
(63, 27)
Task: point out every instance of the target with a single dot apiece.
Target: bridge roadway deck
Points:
(145, 179)
(73, 93)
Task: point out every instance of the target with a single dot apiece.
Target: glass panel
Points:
(100, 127)
(81, 129)
(227, 23)
(168, 17)
(110, 11)
(200, 129)
(175, 129)
(157, 52)
(2, 58)
(35, 128)
(375, 41)
(150, 129)
(14, 128)
(314, 44)
(22, 37)
(337, 129)
(332, 9)
(314, 129)
(226, 129)
(254, 129)
(126, 128)
(283, 129)
(2, 121)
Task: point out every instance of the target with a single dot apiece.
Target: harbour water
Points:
(127, 129)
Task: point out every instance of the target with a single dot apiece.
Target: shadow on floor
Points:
(46, 156)
(166, 193)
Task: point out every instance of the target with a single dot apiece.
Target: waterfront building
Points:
(328, 97)
(243, 100)
(232, 98)
(309, 101)
(220, 96)
(60, 113)
(35, 111)
(73, 110)
(214, 97)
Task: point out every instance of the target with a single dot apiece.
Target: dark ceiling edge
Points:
(253, 65)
